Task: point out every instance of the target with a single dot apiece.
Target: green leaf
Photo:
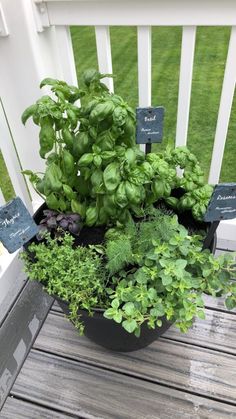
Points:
(52, 202)
(118, 317)
(48, 82)
(129, 325)
(97, 160)
(111, 176)
(166, 280)
(69, 193)
(78, 207)
(181, 263)
(230, 303)
(85, 160)
(157, 311)
(28, 113)
(115, 303)
(129, 308)
(109, 313)
(152, 294)
(91, 216)
(201, 314)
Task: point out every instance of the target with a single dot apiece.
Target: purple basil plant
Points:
(56, 222)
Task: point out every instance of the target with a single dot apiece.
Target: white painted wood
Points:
(149, 12)
(65, 53)
(10, 157)
(227, 230)
(104, 54)
(2, 200)
(40, 15)
(226, 101)
(185, 83)
(144, 68)
(29, 57)
(10, 266)
(144, 65)
(3, 24)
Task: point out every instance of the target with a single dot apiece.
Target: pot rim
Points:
(94, 309)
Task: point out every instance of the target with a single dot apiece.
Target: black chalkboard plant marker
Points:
(222, 206)
(17, 226)
(149, 126)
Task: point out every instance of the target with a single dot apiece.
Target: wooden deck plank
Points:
(91, 392)
(217, 331)
(172, 363)
(19, 331)
(217, 304)
(19, 409)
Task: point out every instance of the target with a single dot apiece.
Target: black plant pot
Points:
(100, 330)
(112, 335)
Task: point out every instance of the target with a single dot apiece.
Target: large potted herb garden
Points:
(121, 234)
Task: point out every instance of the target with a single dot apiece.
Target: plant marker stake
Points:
(210, 234)
(149, 126)
(148, 148)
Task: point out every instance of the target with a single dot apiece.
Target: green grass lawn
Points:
(210, 56)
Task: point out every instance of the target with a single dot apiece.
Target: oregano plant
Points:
(143, 273)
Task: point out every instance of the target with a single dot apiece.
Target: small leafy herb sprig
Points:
(144, 272)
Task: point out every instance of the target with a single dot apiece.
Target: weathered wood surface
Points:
(167, 362)
(91, 392)
(217, 304)
(19, 331)
(19, 409)
(217, 332)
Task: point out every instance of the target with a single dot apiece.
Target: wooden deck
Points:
(178, 376)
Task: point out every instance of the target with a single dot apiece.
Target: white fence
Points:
(35, 42)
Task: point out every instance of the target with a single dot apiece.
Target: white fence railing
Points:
(35, 43)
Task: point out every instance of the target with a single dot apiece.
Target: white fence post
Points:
(12, 162)
(2, 200)
(224, 110)
(144, 67)
(29, 56)
(185, 83)
(65, 53)
(104, 54)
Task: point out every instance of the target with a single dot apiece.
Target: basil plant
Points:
(93, 166)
